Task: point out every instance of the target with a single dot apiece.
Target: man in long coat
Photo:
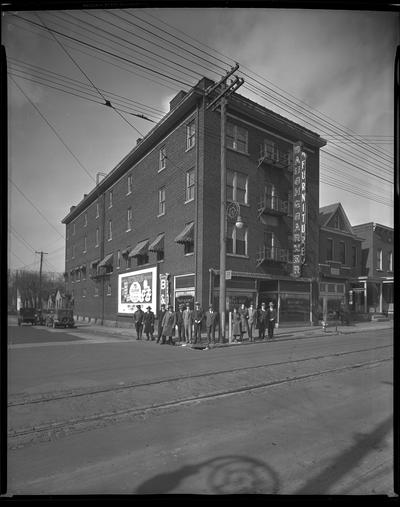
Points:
(187, 323)
(138, 321)
(198, 316)
(179, 323)
(160, 316)
(148, 323)
(243, 312)
(271, 320)
(211, 324)
(251, 321)
(168, 326)
(262, 321)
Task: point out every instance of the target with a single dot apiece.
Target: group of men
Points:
(189, 323)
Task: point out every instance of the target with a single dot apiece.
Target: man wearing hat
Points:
(148, 324)
(211, 323)
(262, 316)
(187, 324)
(138, 321)
(160, 316)
(271, 320)
(198, 316)
(179, 323)
(168, 325)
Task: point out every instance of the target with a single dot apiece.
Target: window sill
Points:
(189, 254)
(160, 215)
(240, 256)
(190, 200)
(245, 153)
(128, 230)
(190, 148)
(161, 170)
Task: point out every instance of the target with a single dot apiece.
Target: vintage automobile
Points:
(60, 317)
(27, 316)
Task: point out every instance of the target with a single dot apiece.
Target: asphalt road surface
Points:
(95, 415)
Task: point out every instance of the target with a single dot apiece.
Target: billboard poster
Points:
(299, 209)
(137, 288)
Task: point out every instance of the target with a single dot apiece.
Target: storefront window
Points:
(294, 307)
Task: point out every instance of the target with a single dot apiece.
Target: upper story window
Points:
(342, 252)
(190, 135)
(73, 228)
(162, 158)
(190, 185)
(354, 256)
(236, 186)
(129, 184)
(109, 230)
(379, 259)
(85, 220)
(118, 259)
(129, 220)
(161, 201)
(97, 236)
(109, 289)
(236, 241)
(84, 244)
(236, 137)
(390, 261)
(73, 251)
(329, 249)
(110, 199)
(97, 210)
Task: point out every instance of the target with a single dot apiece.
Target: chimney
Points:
(138, 140)
(178, 97)
(72, 208)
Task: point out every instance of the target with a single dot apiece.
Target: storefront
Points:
(332, 299)
(184, 290)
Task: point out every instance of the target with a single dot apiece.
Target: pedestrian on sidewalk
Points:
(271, 320)
(251, 321)
(148, 324)
(262, 317)
(198, 316)
(211, 324)
(179, 323)
(236, 326)
(244, 315)
(160, 316)
(138, 321)
(168, 324)
(187, 324)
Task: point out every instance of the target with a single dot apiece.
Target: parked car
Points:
(27, 315)
(61, 317)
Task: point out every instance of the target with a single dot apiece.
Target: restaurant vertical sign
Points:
(299, 209)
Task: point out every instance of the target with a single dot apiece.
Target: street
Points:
(95, 414)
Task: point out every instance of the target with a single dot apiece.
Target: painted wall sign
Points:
(299, 209)
(164, 289)
(137, 288)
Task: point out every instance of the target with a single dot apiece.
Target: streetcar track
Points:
(46, 397)
(52, 429)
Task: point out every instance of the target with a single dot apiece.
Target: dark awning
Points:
(186, 236)
(107, 261)
(94, 263)
(126, 251)
(158, 244)
(140, 249)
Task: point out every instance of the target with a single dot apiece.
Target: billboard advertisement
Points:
(137, 288)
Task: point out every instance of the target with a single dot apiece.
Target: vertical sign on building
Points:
(164, 289)
(299, 209)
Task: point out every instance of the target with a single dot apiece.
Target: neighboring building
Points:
(340, 261)
(376, 280)
(149, 231)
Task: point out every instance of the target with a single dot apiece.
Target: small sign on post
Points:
(228, 275)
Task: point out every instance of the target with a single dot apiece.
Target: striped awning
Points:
(126, 251)
(140, 249)
(94, 263)
(107, 261)
(186, 236)
(158, 244)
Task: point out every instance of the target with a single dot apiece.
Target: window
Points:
(73, 228)
(236, 241)
(160, 255)
(390, 261)
(190, 135)
(84, 292)
(161, 201)
(97, 210)
(118, 259)
(379, 259)
(109, 230)
(110, 199)
(236, 137)
(329, 249)
(96, 291)
(354, 256)
(189, 185)
(84, 272)
(236, 186)
(128, 262)
(73, 251)
(342, 252)
(97, 237)
(109, 289)
(142, 259)
(129, 184)
(188, 248)
(129, 220)
(84, 244)
(85, 220)
(162, 158)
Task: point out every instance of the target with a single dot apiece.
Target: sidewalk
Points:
(282, 333)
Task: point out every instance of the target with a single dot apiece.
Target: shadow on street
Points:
(224, 475)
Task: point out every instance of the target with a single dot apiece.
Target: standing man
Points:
(211, 323)
(179, 323)
(244, 315)
(262, 321)
(148, 324)
(168, 325)
(251, 321)
(187, 324)
(198, 316)
(271, 320)
(160, 316)
(138, 320)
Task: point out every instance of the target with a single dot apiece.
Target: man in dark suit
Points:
(138, 321)
(198, 316)
(211, 323)
(179, 323)
(262, 316)
(160, 316)
(271, 320)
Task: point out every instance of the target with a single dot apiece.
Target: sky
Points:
(330, 71)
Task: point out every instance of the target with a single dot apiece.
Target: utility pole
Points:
(40, 278)
(217, 95)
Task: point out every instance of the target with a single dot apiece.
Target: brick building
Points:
(375, 286)
(149, 231)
